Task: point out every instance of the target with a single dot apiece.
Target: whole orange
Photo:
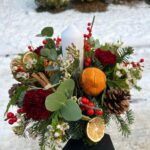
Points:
(93, 81)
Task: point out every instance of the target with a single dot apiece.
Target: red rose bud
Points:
(10, 121)
(10, 115)
(99, 112)
(84, 100)
(44, 42)
(90, 112)
(141, 60)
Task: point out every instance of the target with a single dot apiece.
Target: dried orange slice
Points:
(95, 129)
(28, 57)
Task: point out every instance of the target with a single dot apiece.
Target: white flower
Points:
(56, 134)
(58, 126)
(14, 69)
(118, 73)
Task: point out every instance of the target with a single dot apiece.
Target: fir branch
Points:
(16, 96)
(122, 126)
(124, 53)
(130, 116)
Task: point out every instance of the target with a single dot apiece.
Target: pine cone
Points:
(12, 90)
(117, 101)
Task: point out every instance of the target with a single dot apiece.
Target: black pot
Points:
(104, 144)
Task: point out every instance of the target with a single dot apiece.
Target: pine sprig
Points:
(123, 126)
(124, 53)
(130, 117)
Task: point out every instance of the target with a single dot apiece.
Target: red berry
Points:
(134, 65)
(90, 34)
(54, 39)
(30, 47)
(20, 110)
(84, 100)
(59, 39)
(88, 60)
(10, 115)
(44, 42)
(85, 35)
(91, 104)
(14, 119)
(87, 48)
(138, 65)
(11, 121)
(99, 112)
(82, 108)
(87, 64)
(90, 112)
(89, 29)
(89, 24)
(142, 60)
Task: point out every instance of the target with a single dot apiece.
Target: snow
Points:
(19, 23)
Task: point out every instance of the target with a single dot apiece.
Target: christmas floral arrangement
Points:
(73, 96)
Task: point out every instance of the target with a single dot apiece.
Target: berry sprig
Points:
(89, 29)
(13, 118)
(30, 48)
(135, 64)
(87, 61)
(89, 107)
(57, 41)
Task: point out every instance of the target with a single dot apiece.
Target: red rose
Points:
(38, 50)
(34, 104)
(105, 57)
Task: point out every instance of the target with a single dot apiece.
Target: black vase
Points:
(104, 144)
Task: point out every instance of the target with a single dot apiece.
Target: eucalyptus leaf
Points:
(67, 87)
(71, 111)
(45, 52)
(53, 54)
(47, 31)
(52, 68)
(55, 78)
(50, 43)
(55, 101)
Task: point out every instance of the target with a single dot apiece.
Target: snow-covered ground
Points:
(19, 23)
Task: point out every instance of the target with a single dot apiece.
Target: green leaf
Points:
(54, 79)
(47, 31)
(45, 52)
(51, 54)
(71, 111)
(50, 43)
(67, 87)
(55, 101)
(52, 68)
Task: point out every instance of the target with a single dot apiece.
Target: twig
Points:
(93, 22)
